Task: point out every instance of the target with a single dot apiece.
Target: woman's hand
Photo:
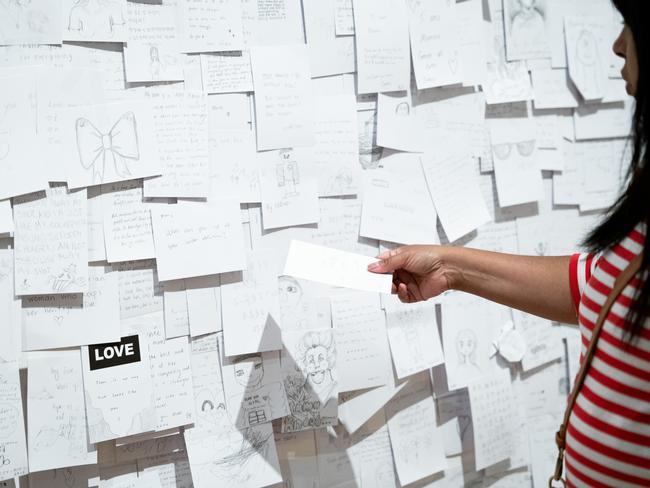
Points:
(418, 272)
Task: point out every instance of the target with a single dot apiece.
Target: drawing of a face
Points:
(403, 109)
(587, 48)
(316, 364)
(249, 371)
(466, 345)
(290, 291)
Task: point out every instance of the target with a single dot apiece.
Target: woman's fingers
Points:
(389, 261)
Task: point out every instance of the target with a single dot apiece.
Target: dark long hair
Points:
(633, 206)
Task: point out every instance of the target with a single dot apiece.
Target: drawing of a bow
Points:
(117, 146)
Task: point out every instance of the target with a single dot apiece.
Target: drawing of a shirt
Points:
(96, 19)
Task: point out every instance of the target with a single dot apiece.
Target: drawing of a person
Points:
(317, 360)
(290, 291)
(527, 27)
(155, 65)
(466, 344)
(587, 69)
(287, 174)
(93, 18)
(249, 370)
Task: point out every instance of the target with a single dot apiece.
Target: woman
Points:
(608, 436)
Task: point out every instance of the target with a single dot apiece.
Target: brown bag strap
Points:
(560, 437)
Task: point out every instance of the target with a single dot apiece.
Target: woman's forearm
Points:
(535, 284)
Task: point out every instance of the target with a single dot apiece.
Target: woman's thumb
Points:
(389, 261)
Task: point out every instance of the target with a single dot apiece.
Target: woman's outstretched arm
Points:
(535, 284)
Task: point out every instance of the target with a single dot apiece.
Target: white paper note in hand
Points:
(334, 267)
(283, 96)
(195, 240)
(453, 182)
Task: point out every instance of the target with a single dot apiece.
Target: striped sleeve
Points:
(581, 266)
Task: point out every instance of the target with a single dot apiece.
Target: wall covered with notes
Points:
(190, 193)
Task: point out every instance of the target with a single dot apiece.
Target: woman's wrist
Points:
(451, 267)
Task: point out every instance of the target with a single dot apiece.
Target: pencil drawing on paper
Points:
(66, 278)
(21, 15)
(234, 457)
(117, 148)
(287, 173)
(466, 346)
(588, 69)
(249, 370)
(526, 25)
(258, 400)
(525, 149)
(313, 388)
(96, 18)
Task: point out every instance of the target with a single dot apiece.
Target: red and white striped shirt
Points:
(608, 437)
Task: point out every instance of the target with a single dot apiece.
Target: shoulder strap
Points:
(621, 282)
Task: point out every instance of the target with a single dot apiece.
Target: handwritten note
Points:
(206, 26)
(118, 387)
(382, 35)
(19, 157)
(387, 215)
(139, 290)
(382, 58)
(336, 148)
(417, 445)
(51, 242)
(251, 307)
(73, 319)
(362, 346)
(198, 240)
(283, 96)
(13, 448)
(172, 383)
(435, 43)
(334, 267)
(56, 420)
(493, 414)
(181, 124)
(227, 72)
(128, 234)
(453, 179)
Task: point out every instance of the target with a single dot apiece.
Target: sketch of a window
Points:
(118, 147)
